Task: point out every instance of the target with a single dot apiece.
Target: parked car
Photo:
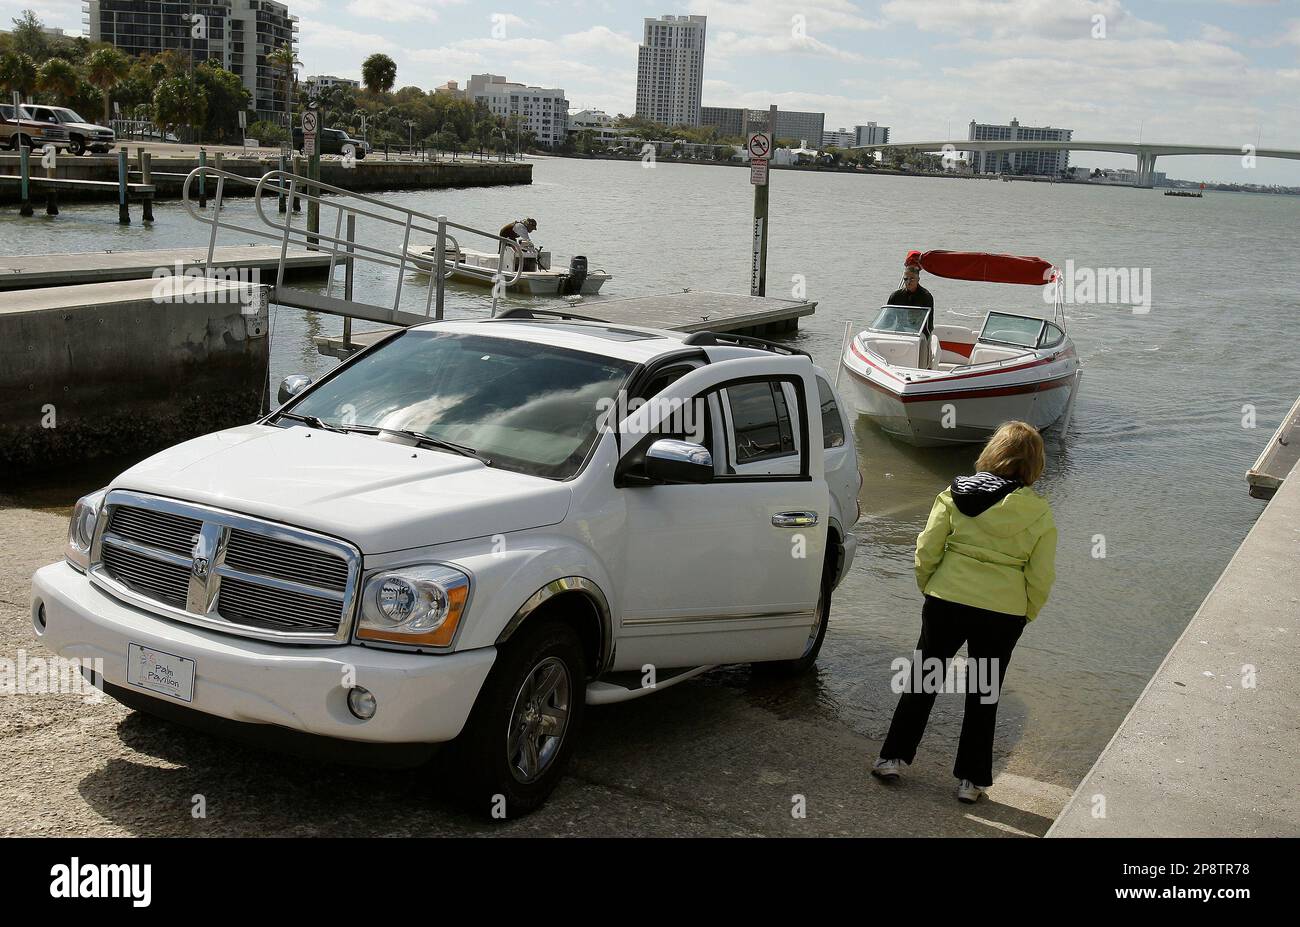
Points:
(467, 533)
(333, 141)
(83, 135)
(19, 129)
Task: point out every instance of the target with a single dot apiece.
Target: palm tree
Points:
(17, 73)
(283, 57)
(106, 68)
(379, 73)
(58, 77)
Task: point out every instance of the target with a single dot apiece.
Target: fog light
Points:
(362, 704)
(38, 618)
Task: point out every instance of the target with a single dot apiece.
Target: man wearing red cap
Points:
(911, 293)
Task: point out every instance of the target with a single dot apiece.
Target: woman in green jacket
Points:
(985, 563)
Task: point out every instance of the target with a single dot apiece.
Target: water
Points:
(1153, 466)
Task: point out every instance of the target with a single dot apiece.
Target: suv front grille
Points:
(226, 571)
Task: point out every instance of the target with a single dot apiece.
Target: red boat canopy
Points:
(989, 268)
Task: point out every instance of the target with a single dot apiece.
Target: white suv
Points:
(468, 532)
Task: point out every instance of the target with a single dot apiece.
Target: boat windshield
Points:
(1021, 331)
(906, 320)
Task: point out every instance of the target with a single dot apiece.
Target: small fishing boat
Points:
(481, 267)
(932, 384)
(1184, 193)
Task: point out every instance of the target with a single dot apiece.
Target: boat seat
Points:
(898, 349)
(988, 353)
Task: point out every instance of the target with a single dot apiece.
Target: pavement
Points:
(726, 754)
(1211, 748)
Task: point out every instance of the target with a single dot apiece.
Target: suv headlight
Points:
(413, 605)
(81, 529)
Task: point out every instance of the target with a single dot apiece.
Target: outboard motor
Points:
(577, 276)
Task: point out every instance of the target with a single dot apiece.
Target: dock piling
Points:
(297, 169)
(24, 159)
(146, 177)
(279, 197)
(123, 210)
(203, 190)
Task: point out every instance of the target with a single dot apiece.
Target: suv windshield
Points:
(527, 407)
(67, 115)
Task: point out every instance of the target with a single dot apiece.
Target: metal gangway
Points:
(288, 189)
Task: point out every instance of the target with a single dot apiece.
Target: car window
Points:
(760, 421)
(832, 423)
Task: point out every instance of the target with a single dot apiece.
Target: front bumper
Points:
(422, 698)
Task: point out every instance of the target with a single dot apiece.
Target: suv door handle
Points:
(794, 519)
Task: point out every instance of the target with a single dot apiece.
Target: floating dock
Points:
(1278, 458)
(687, 311)
(29, 271)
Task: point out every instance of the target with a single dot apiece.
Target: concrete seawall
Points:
(1210, 747)
(102, 369)
(372, 173)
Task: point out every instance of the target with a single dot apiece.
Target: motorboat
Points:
(930, 384)
(482, 267)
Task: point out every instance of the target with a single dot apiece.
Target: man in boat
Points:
(911, 293)
(518, 231)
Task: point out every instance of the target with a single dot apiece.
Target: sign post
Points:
(311, 145)
(760, 152)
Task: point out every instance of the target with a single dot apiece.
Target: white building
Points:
(670, 70)
(544, 110)
(869, 134)
(598, 122)
(239, 33)
(1024, 161)
(321, 82)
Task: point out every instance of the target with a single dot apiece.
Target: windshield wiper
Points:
(441, 443)
(315, 422)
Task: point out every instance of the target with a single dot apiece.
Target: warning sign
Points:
(758, 171)
(309, 132)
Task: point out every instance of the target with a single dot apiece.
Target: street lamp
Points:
(410, 136)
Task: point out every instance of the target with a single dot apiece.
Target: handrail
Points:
(295, 187)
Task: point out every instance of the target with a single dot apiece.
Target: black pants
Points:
(989, 636)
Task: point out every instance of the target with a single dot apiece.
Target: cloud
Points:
(1010, 18)
(318, 34)
(395, 11)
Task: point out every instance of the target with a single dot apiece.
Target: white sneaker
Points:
(968, 792)
(887, 770)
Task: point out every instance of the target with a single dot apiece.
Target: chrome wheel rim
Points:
(818, 621)
(539, 720)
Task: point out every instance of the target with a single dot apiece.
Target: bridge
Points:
(1146, 152)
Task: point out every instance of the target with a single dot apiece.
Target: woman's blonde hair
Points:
(1015, 452)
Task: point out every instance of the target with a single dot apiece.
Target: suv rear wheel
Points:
(816, 635)
(522, 731)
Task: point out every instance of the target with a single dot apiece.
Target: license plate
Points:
(161, 672)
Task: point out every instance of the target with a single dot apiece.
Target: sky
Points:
(1223, 72)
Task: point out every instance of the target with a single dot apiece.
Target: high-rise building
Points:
(791, 125)
(544, 110)
(670, 70)
(728, 120)
(1026, 161)
(870, 134)
(240, 33)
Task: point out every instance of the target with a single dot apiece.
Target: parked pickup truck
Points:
(19, 129)
(333, 141)
(82, 134)
(468, 532)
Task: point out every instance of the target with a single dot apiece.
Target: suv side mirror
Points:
(292, 385)
(672, 461)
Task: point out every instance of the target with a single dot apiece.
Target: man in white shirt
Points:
(519, 231)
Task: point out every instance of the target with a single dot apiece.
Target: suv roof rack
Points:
(521, 314)
(743, 341)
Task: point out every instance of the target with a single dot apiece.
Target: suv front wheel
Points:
(524, 726)
(77, 145)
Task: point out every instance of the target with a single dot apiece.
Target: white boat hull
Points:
(962, 406)
(480, 269)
